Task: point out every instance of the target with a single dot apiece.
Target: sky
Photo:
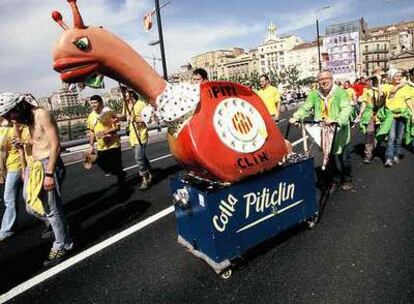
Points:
(191, 27)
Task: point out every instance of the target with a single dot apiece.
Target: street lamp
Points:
(161, 39)
(152, 43)
(317, 35)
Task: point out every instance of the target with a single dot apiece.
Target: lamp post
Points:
(355, 60)
(317, 35)
(161, 39)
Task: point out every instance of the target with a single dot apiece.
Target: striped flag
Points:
(147, 21)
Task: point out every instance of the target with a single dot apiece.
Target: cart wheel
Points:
(226, 274)
(312, 222)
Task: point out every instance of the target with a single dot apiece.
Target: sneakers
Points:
(146, 181)
(57, 255)
(347, 186)
(388, 163)
(367, 160)
(396, 160)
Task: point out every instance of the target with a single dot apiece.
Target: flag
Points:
(147, 21)
(95, 81)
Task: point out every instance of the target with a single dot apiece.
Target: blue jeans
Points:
(52, 203)
(395, 136)
(141, 158)
(342, 170)
(11, 194)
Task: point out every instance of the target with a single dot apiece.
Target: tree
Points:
(115, 104)
(292, 76)
(307, 81)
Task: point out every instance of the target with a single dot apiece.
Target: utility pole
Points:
(161, 39)
(317, 34)
(355, 60)
(319, 45)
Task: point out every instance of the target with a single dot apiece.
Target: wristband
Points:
(49, 175)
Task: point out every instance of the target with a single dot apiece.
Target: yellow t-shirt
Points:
(410, 101)
(396, 99)
(102, 122)
(25, 133)
(271, 98)
(13, 159)
(351, 93)
(140, 127)
(368, 96)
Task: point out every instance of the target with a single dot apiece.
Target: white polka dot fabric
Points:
(177, 104)
(146, 113)
(177, 100)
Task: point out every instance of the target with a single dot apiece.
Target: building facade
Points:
(272, 53)
(210, 60)
(341, 48)
(239, 67)
(382, 43)
(304, 57)
(67, 96)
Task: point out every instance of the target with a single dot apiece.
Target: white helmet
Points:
(9, 100)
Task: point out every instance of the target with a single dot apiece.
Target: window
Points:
(366, 48)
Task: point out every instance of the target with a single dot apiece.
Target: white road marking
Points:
(81, 256)
(151, 161)
(19, 289)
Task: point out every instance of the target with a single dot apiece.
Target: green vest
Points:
(340, 111)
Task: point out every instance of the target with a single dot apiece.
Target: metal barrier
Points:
(82, 141)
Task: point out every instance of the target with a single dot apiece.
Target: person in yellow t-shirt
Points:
(138, 134)
(351, 92)
(15, 166)
(410, 101)
(396, 95)
(270, 96)
(103, 126)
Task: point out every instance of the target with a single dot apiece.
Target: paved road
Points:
(361, 252)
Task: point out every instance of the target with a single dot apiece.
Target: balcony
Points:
(382, 51)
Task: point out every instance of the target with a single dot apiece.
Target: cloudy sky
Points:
(27, 31)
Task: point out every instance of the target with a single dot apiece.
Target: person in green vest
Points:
(331, 104)
(396, 118)
(410, 101)
(371, 101)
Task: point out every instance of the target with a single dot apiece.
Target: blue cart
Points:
(219, 223)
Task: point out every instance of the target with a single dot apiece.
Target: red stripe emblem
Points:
(241, 123)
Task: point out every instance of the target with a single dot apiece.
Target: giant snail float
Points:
(217, 130)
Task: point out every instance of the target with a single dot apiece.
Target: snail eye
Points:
(82, 43)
